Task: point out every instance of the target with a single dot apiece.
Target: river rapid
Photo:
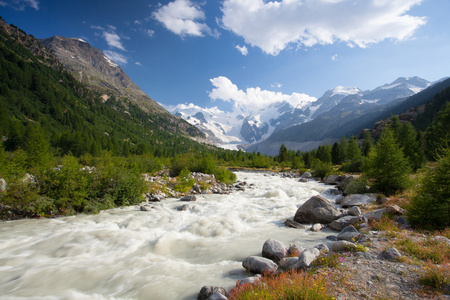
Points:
(126, 253)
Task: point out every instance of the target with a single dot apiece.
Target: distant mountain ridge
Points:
(340, 104)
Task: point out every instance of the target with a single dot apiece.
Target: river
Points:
(126, 253)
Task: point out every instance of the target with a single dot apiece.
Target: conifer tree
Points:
(407, 138)
(387, 165)
(36, 146)
(336, 154)
(282, 154)
(430, 208)
(353, 150)
(367, 143)
(344, 145)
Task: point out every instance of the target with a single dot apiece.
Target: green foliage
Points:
(358, 186)
(184, 181)
(438, 134)
(283, 154)
(412, 150)
(387, 166)
(367, 144)
(226, 176)
(321, 169)
(336, 154)
(430, 207)
(353, 150)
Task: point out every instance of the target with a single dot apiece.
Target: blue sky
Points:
(217, 53)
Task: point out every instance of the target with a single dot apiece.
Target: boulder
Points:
(196, 189)
(2, 184)
(333, 192)
(339, 200)
(317, 227)
(332, 179)
(375, 214)
(288, 263)
(391, 254)
(207, 291)
(345, 180)
(349, 234)
(303, 180)
(395, 210)
(306, 258)
(343, 222)
(145, 207)
(293, 224)
(188, 198)
(306, 175)
(359, 200)
(331, 238)
(295, 249)
(274, 250)
(316, 210)
(249, 280)
(341, 246)
(183, 207)
(217, 296)
(149, 197)
(322, 248)
(354, 211)
(259, 265)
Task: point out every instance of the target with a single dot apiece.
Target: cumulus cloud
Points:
(113, 40)
(252, 98)
(243, 49)
(334, 57)
(182, 17)
(21, 4)
(116, 57)
(273, 26)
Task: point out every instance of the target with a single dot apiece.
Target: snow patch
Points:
(110, 62)
(345, 90)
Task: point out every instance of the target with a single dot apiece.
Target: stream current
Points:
(126, 253)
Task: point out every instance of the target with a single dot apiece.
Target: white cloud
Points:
(21, 4)
(113, 40)
(252, 98)
(276, 85)
(138, 64)
(334, 57)
(182, 17)
(149, 32)
(272, 26)
(243, 50)
(116, 57)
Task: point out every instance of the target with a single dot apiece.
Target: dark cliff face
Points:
(103, 76)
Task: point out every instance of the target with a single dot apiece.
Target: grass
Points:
(436, 276)
(298, 286)
(425, 249)
(330, 260)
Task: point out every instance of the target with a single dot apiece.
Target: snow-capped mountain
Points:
(244, 127)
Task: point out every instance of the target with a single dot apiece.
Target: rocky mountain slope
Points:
(106, 78)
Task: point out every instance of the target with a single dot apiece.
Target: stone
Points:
(391, 254)
(196, 189)
(217, 296)
(343, 222)
(249, 280)
(306, 258)
(339, 200)
(306, 175)
(188, 198)
(149, 197)
(317, 227)
(341, 246)
(145, 207)
(322, 248)
(375, 214)
(331, 238)
(295, 249)
(274, 250)
(395, 210)
(183, 207)
(354, 211)
(287, 263)
(2, 184)
(402, 221)
(303, 180)
(259, 265)
(208, 291)
(293, 224)
(349, 234)
(345, 180)
(316, 210)
(359, 200)
(332, 179)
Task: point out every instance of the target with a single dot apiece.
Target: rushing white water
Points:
(126, 253)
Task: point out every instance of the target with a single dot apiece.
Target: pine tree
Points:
(344, 146)
(336, 154)
(367, 143)
(353, 151)
(407, 138)
(387, 165)
(37, 146)
(282, 154)
(430, 208)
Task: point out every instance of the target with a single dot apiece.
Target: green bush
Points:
(225, 176)
(358, 186)
(430, 207)
(321, 169)
(184, 181)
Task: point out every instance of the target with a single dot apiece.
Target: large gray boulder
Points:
(391, 254)
(274, 250)
(207, 291)
(306, 258)
(249, 280)
(188, 198)
(317, 210)
(293, 224)
(375, 214)
(359, 200)
(343, 222)
(259, 265)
